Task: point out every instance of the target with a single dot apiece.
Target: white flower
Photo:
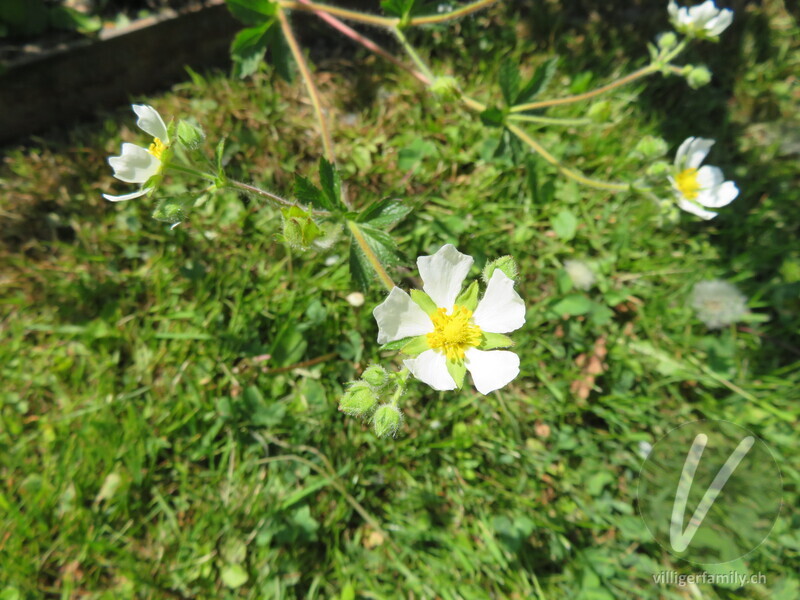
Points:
(451, 332)
(703, 21)
(696, 186)
(718, 303)
(137, 164)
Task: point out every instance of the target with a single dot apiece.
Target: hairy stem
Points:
(580, 178)
(350, 15)
(371, 256)
(414, 56)
(246, 187)
(191, 171)
(454, 14)
(327, 141)
(643, 72)
(549, 120)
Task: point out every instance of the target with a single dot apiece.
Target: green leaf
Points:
(219, 155)
(509, 81)
(382, 245)
(307, 193)
(424, 302)
(493, 117)
(573, 305)
(398, 8)
(457, 370)
(64, 17)
(248, 48)
(190, 135)
(384, 213)
(564, 224)
(490, 341)
(416, 346)
(360, 269)
(538, 81)
(414, 153)
(252, 12)
(280, 54)
(331, 184)
(234, 576)
(469, 297)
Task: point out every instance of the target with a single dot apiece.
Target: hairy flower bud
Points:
(358, 400)
(387, 420)
(376, 376)
(667, 41)
(698, 76)
(446, 87)
(506, 264)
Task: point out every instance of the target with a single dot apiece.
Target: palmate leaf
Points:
(509, 79)
(380, 243)
(360, 269)
(252, 12)
(539, 80)
(331, 185)
(384, 213)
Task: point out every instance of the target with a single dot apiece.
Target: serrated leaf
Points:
(382, 245)
(457, 370)
(360, 269)
(398, 8)
(493, 117)
(248, 48)
(252, 12)
(331, 184)
(509, 80)
(307, 193)
(539, 80)
(416, 346)
(280, 54)
(469, 297)
(490, 341)
(385, 213)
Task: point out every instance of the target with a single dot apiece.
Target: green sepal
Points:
(416, 346)
(396, 345)
(424, 301)
(469, 297)
(299, 228)
(457, 370)
(490, 341)
(190, 135)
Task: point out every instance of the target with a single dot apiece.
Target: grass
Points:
(155, 445)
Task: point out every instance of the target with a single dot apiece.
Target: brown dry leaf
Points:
(591, 367)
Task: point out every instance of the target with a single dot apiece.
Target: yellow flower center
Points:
(157, 148)
(687, 184)
(455, 333)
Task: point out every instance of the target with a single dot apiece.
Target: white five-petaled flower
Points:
(703, 21)
(450, 332)
(137, 164)
(697, 187)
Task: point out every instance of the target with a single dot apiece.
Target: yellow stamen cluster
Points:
(157, 148)
(455, 333)
(687, 183)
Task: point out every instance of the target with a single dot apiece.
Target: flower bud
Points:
(506, 264)
(386, 420)
(299, 229)
(358, 400)
(376, 376)
(667, 41)
(600, 112)
(698, 77)
(446, 88)
(650, 146)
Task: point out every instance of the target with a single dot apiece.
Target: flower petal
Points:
(130, 196)
(501, 309)
(491, 369)
(399, 317)
(431, 367)
(443, 273)
(693, 208)
(691, 152)
(134, 165)
(720, 23)
(151, 122)
(709, 177)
